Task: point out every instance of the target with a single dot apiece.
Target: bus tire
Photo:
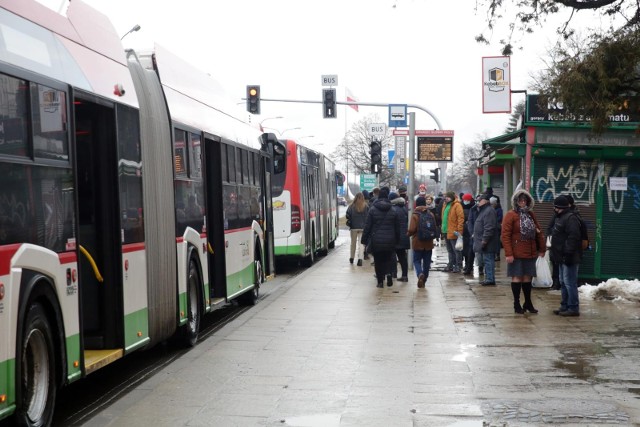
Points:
(36, 384)
(311, 258)
(192, 328)
(251, 297)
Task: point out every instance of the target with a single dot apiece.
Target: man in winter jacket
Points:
(381, 235)
(566, 250)
(452, 227)
(486, 238)
(468, 204)
(398, 203)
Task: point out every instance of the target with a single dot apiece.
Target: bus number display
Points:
(435, 149)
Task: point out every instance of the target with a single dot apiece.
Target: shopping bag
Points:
(459, 244)
(543, 277)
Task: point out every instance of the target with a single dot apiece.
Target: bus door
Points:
(216, 221)
(306, 206)
(99, 259)
(269, 255)
(314, 189)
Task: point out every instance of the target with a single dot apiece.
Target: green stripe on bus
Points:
(73, 355)
(136, 328)
(289, 250)
(7, 386)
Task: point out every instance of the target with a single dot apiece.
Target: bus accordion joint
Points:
(210, 248)
(93, 264)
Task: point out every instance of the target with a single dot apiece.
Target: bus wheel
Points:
(192, 327)
(251, 297)
(37, 386)
(311, 258)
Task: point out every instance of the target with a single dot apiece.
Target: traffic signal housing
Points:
(329, 104)
(376, 156)
(253, 99)
(435, 175)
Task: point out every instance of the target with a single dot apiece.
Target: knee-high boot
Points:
(515, 289)
(528, 305)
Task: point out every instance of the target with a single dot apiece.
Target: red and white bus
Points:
(305, 204)
(133, 200)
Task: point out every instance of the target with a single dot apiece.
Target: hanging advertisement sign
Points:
(496, 84)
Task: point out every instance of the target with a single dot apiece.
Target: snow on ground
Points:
(613, 289)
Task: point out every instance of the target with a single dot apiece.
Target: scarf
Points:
(527, 226)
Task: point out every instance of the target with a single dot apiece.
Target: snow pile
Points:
(613, 289)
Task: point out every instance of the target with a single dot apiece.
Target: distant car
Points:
(342, 201)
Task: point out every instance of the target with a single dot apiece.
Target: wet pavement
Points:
(328, 348)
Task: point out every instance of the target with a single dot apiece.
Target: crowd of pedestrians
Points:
(474, 230)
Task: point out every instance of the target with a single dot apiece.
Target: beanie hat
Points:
(486, 197)
(561, 202)
(421, 201)
(384, 193)
(493, 200)
(393, 196)
(570, 199)
(402, 189)
(468, 197)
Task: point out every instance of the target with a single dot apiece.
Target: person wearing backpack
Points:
(423, 230)
(403, 244)
(566, 250)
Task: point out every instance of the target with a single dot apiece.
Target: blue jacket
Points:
(486, 230)
(382, 230)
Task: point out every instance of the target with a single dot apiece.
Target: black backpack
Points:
(584, 234)
(427, 229)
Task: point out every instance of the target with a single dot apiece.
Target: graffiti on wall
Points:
(584, 179)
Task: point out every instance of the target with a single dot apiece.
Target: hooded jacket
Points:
(403, 214)
(382, 229)
(455, 219)
(512, 239)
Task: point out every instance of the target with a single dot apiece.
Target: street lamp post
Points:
(133, 30)
(284, 131)
(268, 118)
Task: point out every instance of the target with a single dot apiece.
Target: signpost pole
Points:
(412, 164)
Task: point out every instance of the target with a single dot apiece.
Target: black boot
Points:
(515, 289)
(528, 305)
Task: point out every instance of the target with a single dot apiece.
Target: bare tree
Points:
(355, 146)
(462, 175)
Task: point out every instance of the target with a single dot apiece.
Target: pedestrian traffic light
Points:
(376, 156)
(253, 99)
(435, 175)
(329, 104)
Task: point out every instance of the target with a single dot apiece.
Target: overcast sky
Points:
(390, 51)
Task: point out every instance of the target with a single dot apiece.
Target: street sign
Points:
(368, 181)
(377, 129)
(329, 80)
(435, 148)
(397, 115)
(432, 132)
(391, 155)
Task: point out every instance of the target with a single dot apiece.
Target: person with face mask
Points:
(452, 227)
(467, 251)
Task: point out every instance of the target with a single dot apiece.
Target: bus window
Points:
(224, 169)
(49, 123)
(195, 164)
(179, 153)
(245, 167)
(231, 163)
(15, 117)
(238, 166)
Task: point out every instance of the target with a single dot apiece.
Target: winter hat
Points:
(421, 201)
(561, 202)
(493, 200)
(393, 196)
(451, 195)
(384, 193)
(402, 189)
(467, 197)
(486, 197)
(570, 199)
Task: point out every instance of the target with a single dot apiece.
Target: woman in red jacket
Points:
(523, 243)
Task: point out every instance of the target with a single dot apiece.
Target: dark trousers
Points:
(383, 261)
(401, 257)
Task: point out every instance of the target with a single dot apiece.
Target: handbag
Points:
(543, 278)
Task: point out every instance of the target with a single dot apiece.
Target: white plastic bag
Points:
(543, 277)
(459, 244)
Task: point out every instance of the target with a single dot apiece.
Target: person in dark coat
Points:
(467, 250)
(486, 238)
(566, 250)
(422, 249)
(473, 214)
(398, 203)
(381, 235)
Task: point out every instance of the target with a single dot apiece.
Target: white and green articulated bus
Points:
(305, 204)
(132, 201)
